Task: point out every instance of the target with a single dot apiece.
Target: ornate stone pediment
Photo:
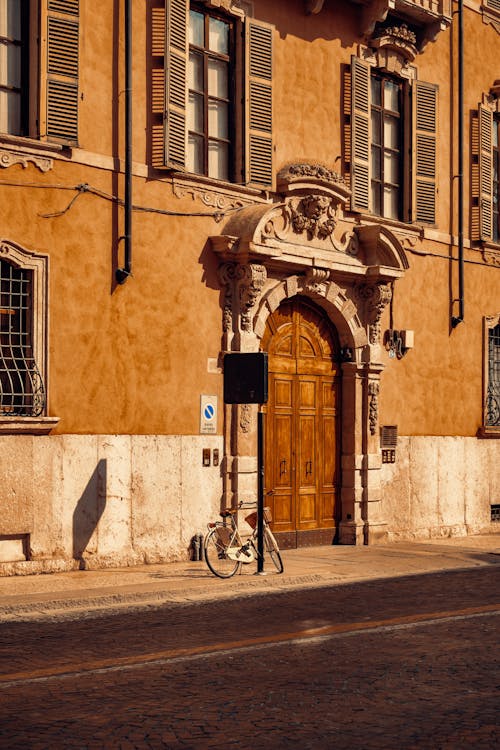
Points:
(308, 228)
(431, 16)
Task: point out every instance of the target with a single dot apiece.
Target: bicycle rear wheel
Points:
(215, 556)
(273, 549)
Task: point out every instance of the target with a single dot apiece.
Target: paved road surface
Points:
(395, 664)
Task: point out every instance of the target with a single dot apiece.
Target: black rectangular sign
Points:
(245, 378)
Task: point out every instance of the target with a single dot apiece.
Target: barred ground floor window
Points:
(492, 410)
(23, 313)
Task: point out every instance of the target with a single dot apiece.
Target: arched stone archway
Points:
(305, 245)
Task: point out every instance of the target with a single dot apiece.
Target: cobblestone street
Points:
(407, 663)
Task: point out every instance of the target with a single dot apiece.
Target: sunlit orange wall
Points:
(134, 358)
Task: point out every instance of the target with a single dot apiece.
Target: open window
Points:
(39, 51)
(212, 92)
(392, 150)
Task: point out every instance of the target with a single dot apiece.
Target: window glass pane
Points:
(218, 119)
(10, 65)
(218, 160)
(391, 96)
(196, 28)
(195, 71)
(195, 113)
(218, 36)
(376, 208)
(10, 113)
(376, 161)
(376, 131)
(218, 79)
(391, 132)
(376, 93)
(10, 19)
(496, 127)
(391, 207)
(391, 167)
(195, 153)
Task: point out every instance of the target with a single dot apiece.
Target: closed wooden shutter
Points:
(158, 86)
(424, 151)
(62, 44)
(176, 57)
(360, 135)
(259, 171)
(485, 173)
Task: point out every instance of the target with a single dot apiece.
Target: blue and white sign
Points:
(208, 415)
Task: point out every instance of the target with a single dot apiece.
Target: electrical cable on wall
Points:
(86, 188)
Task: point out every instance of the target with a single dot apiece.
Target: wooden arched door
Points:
(302, 448)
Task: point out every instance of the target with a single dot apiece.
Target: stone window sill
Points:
(27, 425)
(488, 432)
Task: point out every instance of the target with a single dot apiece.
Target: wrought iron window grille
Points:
(22, 392)
(493, 393)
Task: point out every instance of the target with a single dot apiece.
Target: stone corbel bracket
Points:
(9, 157)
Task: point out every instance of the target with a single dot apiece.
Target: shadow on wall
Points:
(89, 510)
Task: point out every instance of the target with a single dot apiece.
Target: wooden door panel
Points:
(306, 394)
(327, 510)
(307, 513)
(282, 453)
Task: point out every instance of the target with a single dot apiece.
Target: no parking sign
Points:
(208, 415)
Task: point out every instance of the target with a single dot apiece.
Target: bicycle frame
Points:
(225, 548)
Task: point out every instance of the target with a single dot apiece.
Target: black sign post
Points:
(245, 382)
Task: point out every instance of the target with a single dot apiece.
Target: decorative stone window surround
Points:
(39, 265)
(488, 431)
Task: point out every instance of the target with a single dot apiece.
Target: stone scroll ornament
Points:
(227, 275)
(252, 278)
(373, 391)
(376, 297)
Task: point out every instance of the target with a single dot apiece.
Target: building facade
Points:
(315, 179)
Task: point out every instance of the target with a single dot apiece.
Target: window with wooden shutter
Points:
(259, 99)
(360, 135)
(61, 60)
(424, 151)
(212, 93)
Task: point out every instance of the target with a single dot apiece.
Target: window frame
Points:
(383, 148)
(206, 54)
(23, 90)
(37, 264)
(488, 430)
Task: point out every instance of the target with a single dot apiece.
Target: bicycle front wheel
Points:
(273, 549)
(215, 556)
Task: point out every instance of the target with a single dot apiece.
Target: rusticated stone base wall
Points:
(441, 486)
(78, 501)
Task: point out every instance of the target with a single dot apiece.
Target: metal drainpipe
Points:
(459, 318)
(122, 274)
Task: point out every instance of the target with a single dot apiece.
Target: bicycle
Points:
(224, 549)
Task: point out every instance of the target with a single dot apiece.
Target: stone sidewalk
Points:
(80, 593)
